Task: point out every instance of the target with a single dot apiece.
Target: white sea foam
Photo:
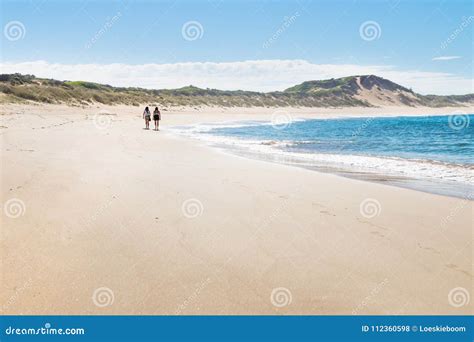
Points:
(275, 150)
(207, 127)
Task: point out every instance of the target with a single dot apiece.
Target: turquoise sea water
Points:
(430, 153)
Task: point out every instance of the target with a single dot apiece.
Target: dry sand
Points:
(105, 225)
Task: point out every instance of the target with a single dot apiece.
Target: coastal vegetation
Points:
(352, 91)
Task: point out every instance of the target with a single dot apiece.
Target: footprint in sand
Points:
(371, 224)
(377, 233)
(431, 249)
(325, 212)
(456, 268)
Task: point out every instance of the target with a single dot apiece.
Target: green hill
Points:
(365, 90)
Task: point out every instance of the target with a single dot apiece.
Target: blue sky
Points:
(312, 39)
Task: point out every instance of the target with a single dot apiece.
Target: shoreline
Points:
(269, 151)
(171, 226)
(414, 184)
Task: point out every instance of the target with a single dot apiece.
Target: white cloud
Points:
(445, 58)
(258, 75)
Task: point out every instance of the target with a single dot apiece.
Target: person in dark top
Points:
(157, 118)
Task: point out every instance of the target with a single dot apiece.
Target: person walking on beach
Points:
(157, 118)
(147, 117)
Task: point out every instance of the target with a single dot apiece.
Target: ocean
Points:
(428, 153)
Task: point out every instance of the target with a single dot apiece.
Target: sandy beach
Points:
(103, 217)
